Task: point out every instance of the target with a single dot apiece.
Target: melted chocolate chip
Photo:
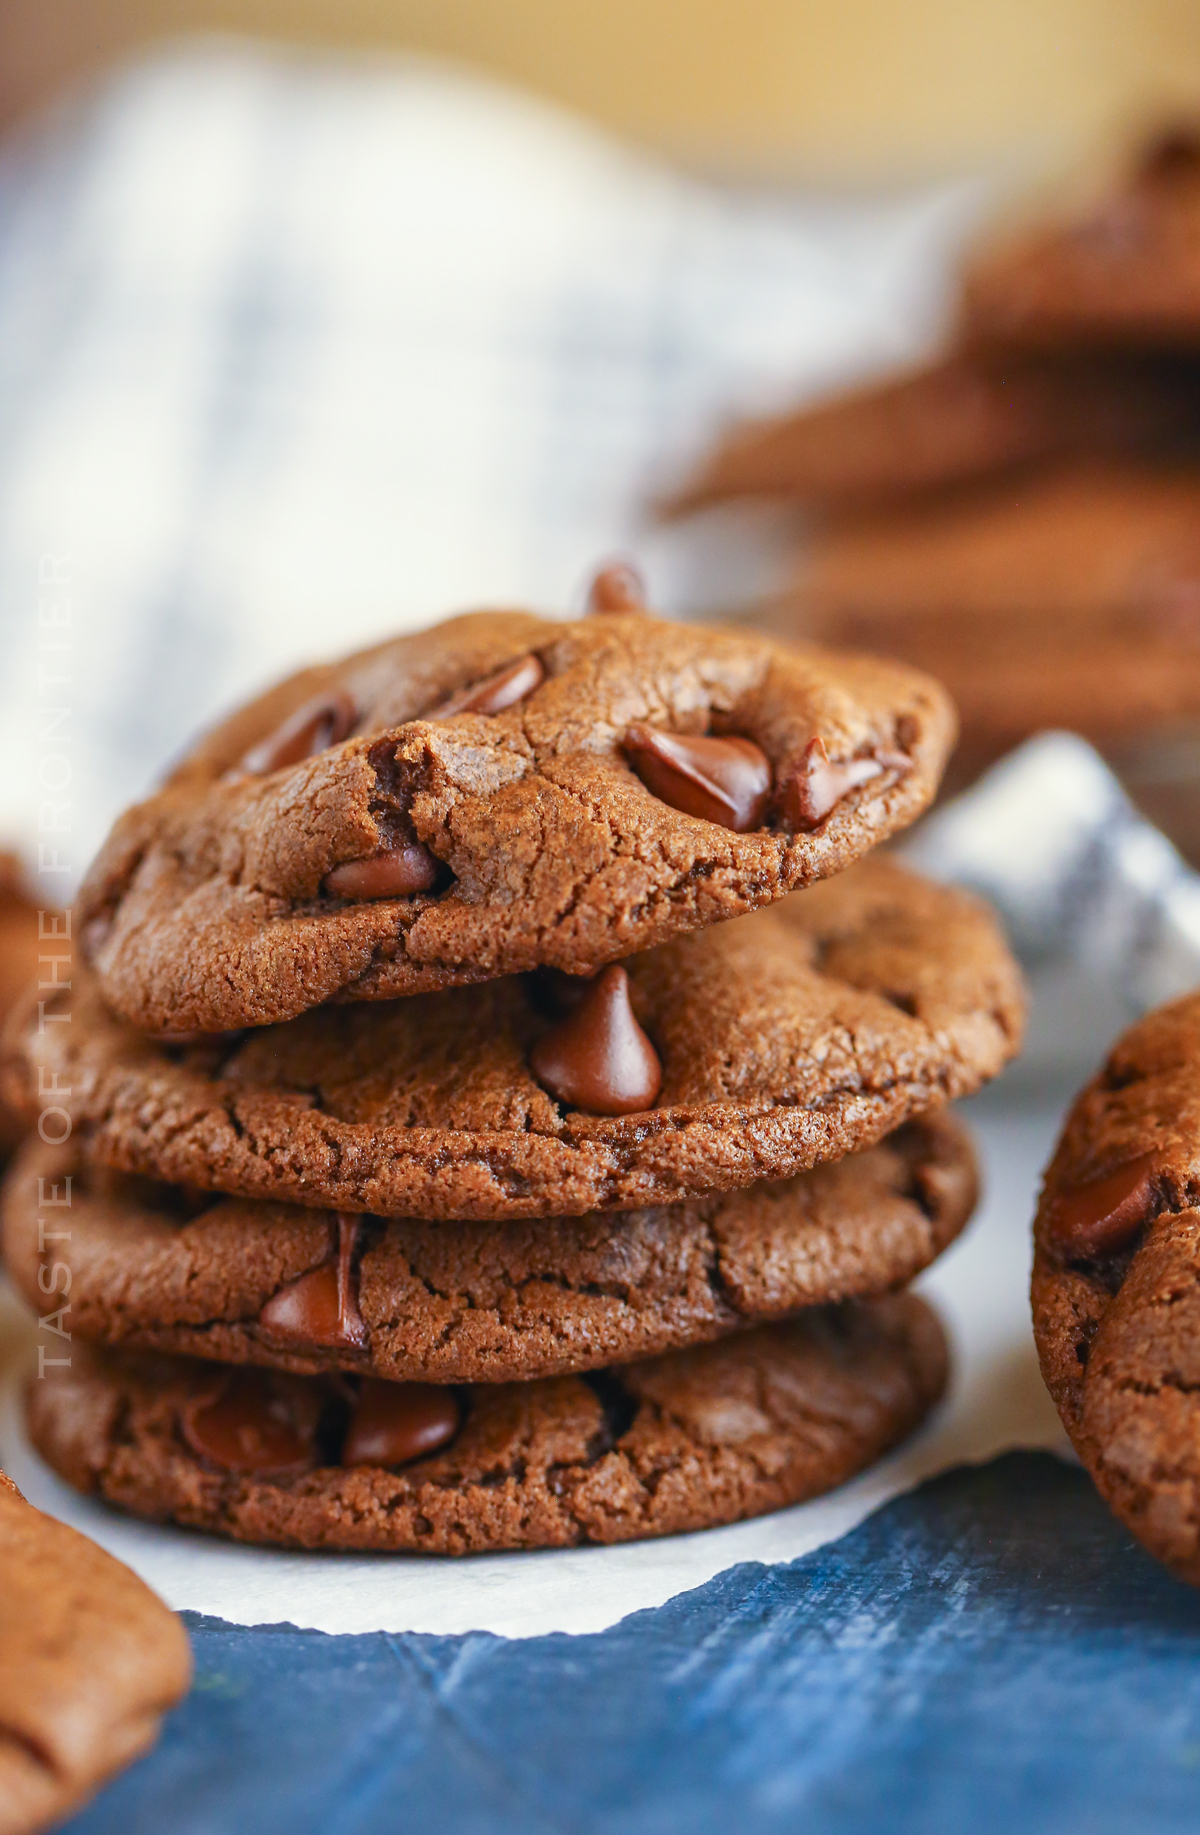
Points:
(320, 1308)
(618, 588)
(503, 688)
(393, 1423)
(818, 783)
(1101, 1216)
(324, 721)
(394, 872)
(598, 1058)
(720, 780)
(249, 1426)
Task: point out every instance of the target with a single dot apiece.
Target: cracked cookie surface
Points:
(522, 837)
(786, 1038)
(489, 1302)
(90, 1660)
(681, 1442)
(1116, 1282)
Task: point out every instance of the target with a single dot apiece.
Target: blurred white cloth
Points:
(1102, 910)
(297, 353)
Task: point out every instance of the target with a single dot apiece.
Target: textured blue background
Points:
(991, 1653)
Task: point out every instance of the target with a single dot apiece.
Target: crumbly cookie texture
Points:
(242, 894)
(90, 1660)
(1116, 1301)
(698, 1437)
(157, 1268)
(787, 1038)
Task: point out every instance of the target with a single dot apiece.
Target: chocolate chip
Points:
(598, 1058)
(321, 1307)
(818, 783)
(617, 588)
(1101, 1216)
(324, 721)
(503, 688)
(720, 780)
(248, 1426)
(393, 1423)
(395, 872)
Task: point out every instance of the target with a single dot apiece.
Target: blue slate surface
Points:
(990, 1653)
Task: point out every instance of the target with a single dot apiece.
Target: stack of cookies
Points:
(479, 1137)
(1022, 515)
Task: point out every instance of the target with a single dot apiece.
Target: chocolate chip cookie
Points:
(1127, 271)
(241, 1282)
(1116, 1294)
(972, 415)
(90, 1660)
(495, 794)
(682, 1442)
(795, 1035)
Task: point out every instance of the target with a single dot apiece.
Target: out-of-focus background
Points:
(319, 321)
(860, 92)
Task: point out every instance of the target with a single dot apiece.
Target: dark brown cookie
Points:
(90, 1660)
(683, 1442)
(1116, 1282)
(1074, 603)
(1126, 272)
(786, 1038)
(482, 798)
(273, 1284)
(20, 946)
(971, 415)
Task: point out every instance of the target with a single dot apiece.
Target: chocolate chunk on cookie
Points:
(971, 416)
(496, 794)
(90, 1660)
(789, 1037)
(243, 1282)
(682, 1442)
(1116, 1282)
(1125, 272)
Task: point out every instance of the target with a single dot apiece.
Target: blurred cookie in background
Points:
(1021, 517)
(1072, 602)
(19, 950)
(1124, 272)
(966, 417)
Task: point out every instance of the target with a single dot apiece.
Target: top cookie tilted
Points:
(495, 794)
